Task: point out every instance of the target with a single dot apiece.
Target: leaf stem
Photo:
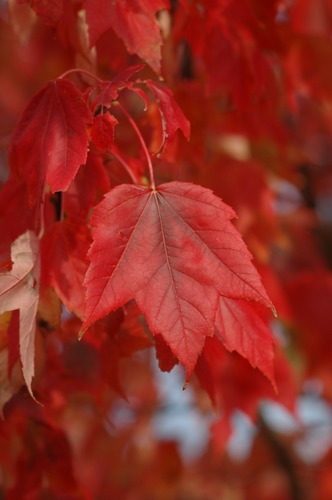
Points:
(40, 218)
(143, 144)
(83, 71)
(124, 164)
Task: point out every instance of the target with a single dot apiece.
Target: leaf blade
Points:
(166, 248)
(50, 140)
(240, 328)
(172, 116)
(133, 21)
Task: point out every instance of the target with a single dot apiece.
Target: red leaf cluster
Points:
(128, 130)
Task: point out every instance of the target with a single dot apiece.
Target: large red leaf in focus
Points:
(50, 140)
(19, 290)
(173, 250)
(134, 21)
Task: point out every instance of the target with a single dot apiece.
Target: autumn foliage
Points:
(165, 206)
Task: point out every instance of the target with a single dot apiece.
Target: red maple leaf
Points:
(175, 251)
(50, 140)
(172, 117)
(109, 90)
(134, 21)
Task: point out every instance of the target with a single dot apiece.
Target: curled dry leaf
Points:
(19, 290)
(8, 386)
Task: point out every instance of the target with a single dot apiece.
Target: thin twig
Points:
(143, 144)
(82, 71)
(125, 165)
